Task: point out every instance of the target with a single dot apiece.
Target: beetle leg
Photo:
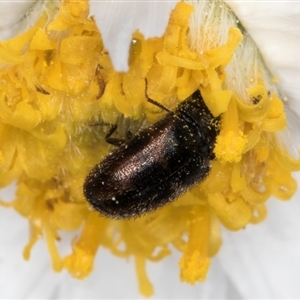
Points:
(112, 128)
(116, 141)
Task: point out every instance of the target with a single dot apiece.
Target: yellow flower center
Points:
(57, 82)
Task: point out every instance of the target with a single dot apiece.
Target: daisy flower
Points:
(79, 64)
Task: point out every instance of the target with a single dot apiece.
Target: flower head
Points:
(57, 81)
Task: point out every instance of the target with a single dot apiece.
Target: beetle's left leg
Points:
(116, 141)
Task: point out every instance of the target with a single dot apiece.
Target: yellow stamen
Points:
(145, 285)
(194, 263)
(80, 262)
(231, 141)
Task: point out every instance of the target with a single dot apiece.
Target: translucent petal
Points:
(275, 27)
(12, 16)
(269, 253)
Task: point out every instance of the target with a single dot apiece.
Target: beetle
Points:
(157, 165)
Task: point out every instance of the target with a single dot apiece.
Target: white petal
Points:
(12, 13)
(263, 260)
(117, 20)
(275, 27)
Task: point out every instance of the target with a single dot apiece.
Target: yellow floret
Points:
(231, 141)
(194, 263)
(80, 262)
(229, 147)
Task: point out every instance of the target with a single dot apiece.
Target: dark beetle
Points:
(157, 165)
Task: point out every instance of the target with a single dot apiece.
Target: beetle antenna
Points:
(155, 102)
(159, 105)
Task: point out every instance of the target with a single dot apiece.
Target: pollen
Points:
(57, 81)
(229, 147)
(231, 141)
(195, 262)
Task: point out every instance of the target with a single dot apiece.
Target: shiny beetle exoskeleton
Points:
(157, 165)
